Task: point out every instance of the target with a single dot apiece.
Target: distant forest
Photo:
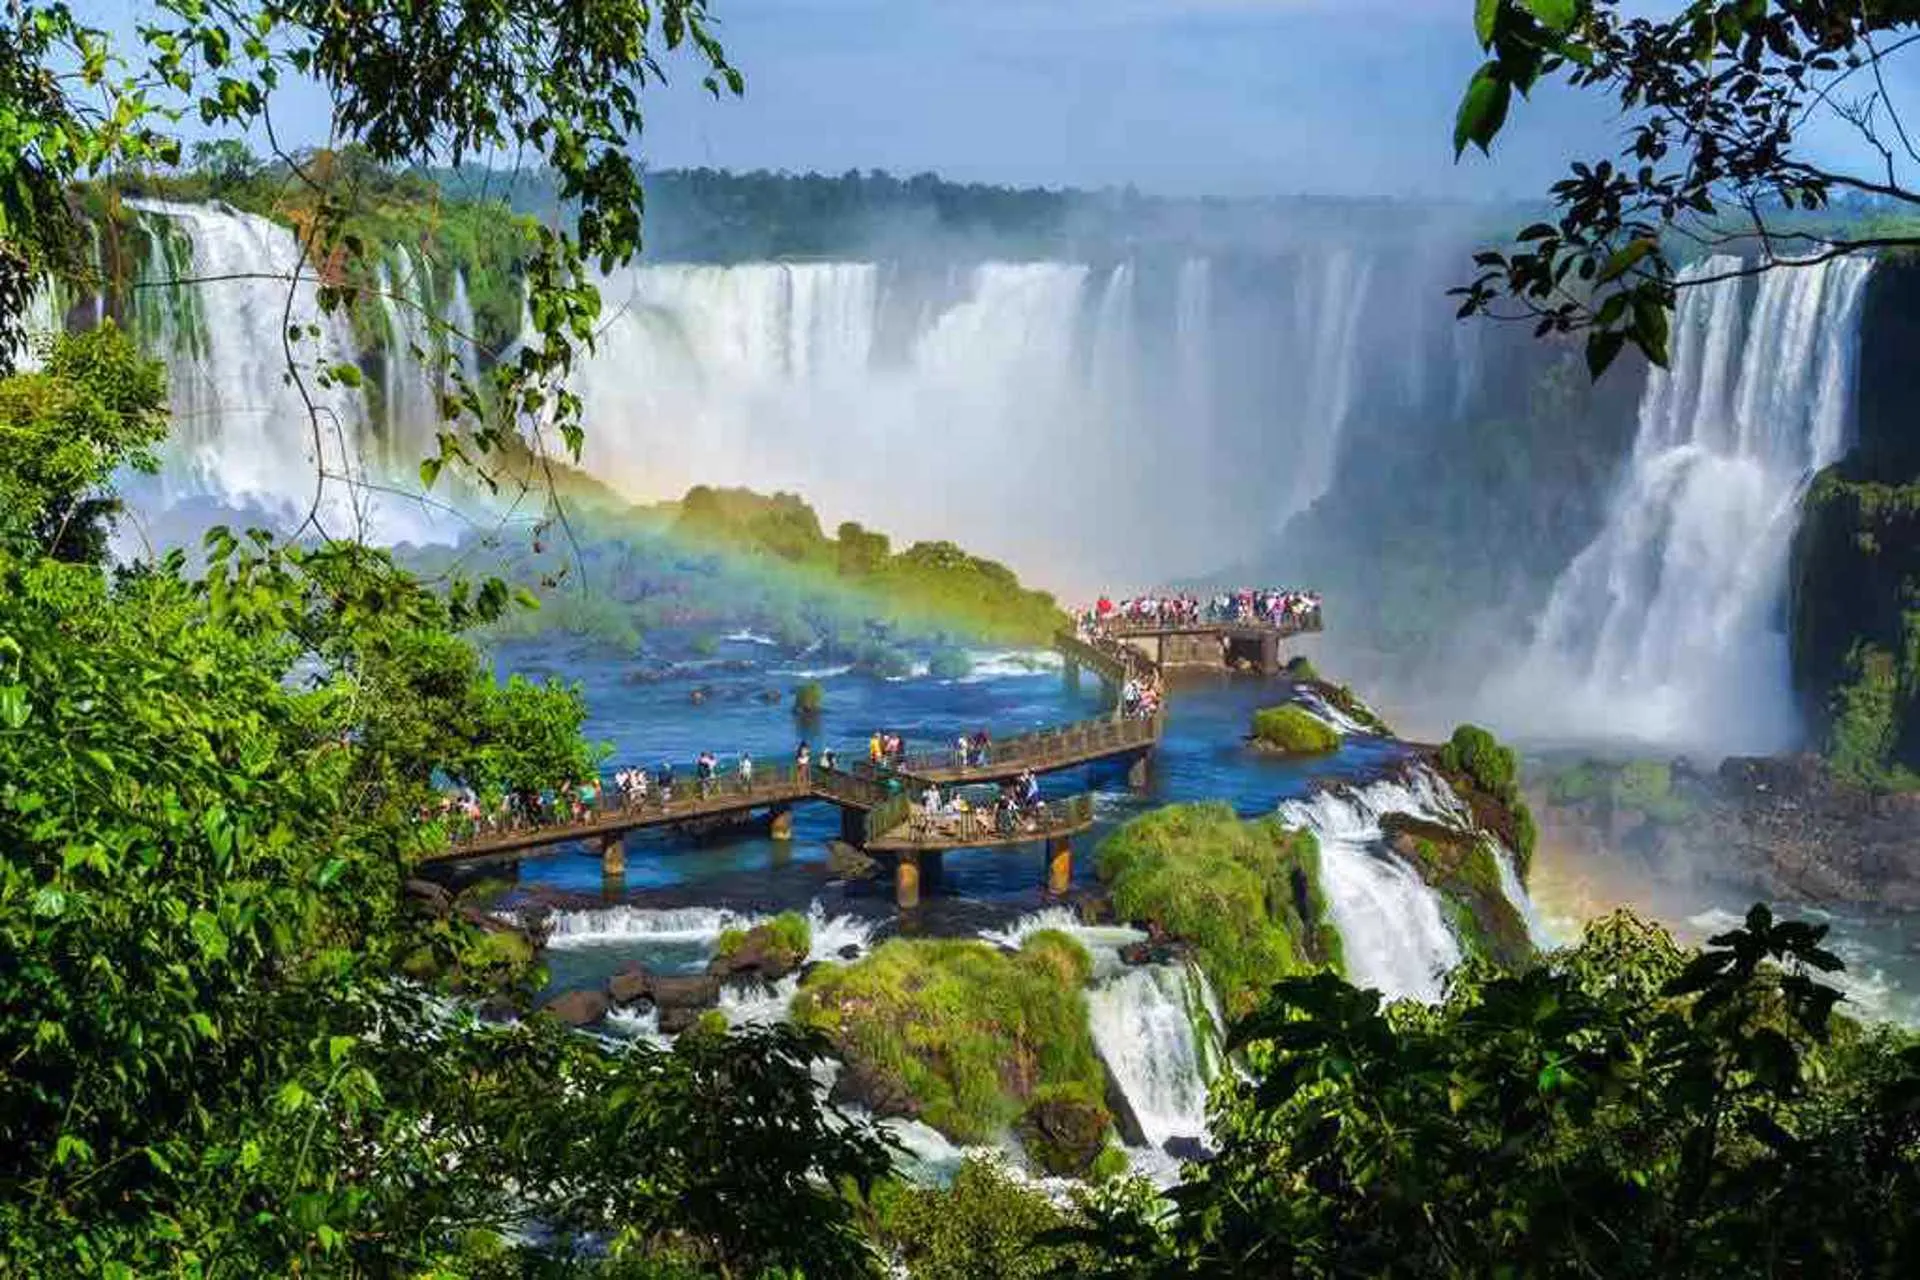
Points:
(711, 215)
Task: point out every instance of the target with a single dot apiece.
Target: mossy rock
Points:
(1299, 668)
(1064, 1130)
(1289, 730)
(1343, 699)
(1486, 776)
(771, 950)
(950, 664)
(809, 698)
(962, 1034)
(1462, 868)
(1245, 895)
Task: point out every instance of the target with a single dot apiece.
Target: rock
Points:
(860, 1084)
(850, 952)
(1063, 1135)
(695, 991)
(1189, 1149)
(429, 898)
(1163, 950)
(1125, 1121)
(578, 1008)
(844, 862)
(758, 954)
(678, 1018)
(498, 1009)
(631, 985)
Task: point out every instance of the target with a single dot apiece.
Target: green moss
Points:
(1349, 704)
(728, 944)
(1488, 777)
(809, 698)
(1576, 785)
(1646, 786)
(1866, 723)
(950, 664)
(1463, 869)
(1293, 731)
(1299, 668)
(1065, 1129)
(1246, 895)
(787, 938)
(970, 1033)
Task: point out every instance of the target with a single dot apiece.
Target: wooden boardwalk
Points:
(880, 806)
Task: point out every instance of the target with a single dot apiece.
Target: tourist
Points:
(961, 753)
(666, 783)
(746, 772)
(827, 759)
(802, 761)
(876, 748)
(930, 801)
(703, 768)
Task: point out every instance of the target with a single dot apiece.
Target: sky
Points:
(1181, 97)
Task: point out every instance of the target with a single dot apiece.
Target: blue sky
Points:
(1232, 97)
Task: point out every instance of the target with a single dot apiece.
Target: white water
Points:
(1667, 628)
(1392, 927)
(1157, 1027)
(1028, 389)
(613, 925)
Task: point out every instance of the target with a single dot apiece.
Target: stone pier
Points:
(1060, 866)
(613, 857)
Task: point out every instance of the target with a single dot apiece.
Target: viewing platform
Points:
(880, 805)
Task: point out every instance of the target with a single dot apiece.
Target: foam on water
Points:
(1157, 1027)
(604, 926)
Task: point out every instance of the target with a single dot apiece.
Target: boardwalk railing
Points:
(1289, 625)
(1041, 749)
(989, 825)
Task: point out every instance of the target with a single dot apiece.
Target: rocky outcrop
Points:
(426, 898)
(1063, 1134)
(883, 1093)
(1460, 866)
(578, 1008)
(1784, 827)
(844, 862)
(630, 986)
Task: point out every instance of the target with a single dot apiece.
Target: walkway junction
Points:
(879, 805)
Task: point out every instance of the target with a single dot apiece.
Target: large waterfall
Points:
(1158, 1029)
(1667, 627)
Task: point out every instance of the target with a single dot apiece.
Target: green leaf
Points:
(1623, 260)
(1556, 15)
(1602, 346)
(1485, 13)
(208, 934)
(1483, 110)
(429, 472)
(14, 709)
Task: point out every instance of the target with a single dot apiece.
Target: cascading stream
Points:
(1158, 1030)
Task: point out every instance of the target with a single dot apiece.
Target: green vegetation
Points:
(809, 698)
(1487, 776)
(1344, 699)
(1246, 895)
(720, 558)
(1623, 1108)
(985, 1225)
(1299, 668)
(211, 803)
(1295, 732)
(787, 938)
(967, 1037)
(1463, 868)
(95, 406)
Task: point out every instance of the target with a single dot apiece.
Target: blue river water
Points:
(647, 719)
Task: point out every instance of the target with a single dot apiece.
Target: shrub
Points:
(1479, 756)
(1294, 731)
(1576, 785)
(809, 698)
(950, 664)
(986, 1223)
(1245, 894)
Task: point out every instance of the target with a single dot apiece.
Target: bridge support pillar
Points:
(1072, 673)
(1059, 866)
(906, 879)
(853, 827)
(1137, 772)
(613, 857)
(1270, 655)
(783, 822)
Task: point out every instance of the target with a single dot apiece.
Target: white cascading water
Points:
(1158, 1029)
(243, 432)
(1032, 390)
(1393, 929)
(1667, 627)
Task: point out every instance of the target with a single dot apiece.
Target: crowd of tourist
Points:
(1014, 806)
(1247, 606)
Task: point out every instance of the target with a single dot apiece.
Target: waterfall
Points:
(243, 432)
(1666, 628)
(1158, 1029)
(1392, 928)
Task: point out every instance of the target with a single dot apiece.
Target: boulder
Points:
(850, 952)
(578, 1008)
(631, 985)
(844, 862)
(428, 898)
(695, 991)
(1063, 1134)
(678, 1018)
(863, 1085)
(758, 955)
(1189, 1149)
